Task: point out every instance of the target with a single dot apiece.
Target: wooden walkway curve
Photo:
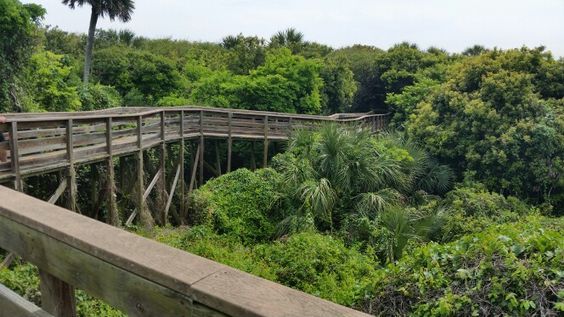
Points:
(137, 275)
(44, 142)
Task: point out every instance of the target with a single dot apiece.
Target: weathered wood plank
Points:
(58, 192)
(14, 156)
(113, 214)
(57, 297)
(202, 147)
(229, 141)
(157, 176)
(172, 190)
(13, 305)
(258, 297)
(71, 171)
(133, 294)
(181, 153)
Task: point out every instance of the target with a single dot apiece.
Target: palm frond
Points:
(372, 203)
(319, 196)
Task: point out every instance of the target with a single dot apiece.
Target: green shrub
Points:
(239, 203)
(314, 263)
(226, 249)
(320, 265)
(173, 101)
(472, 209)
(22, 279)
(98, 96)
(511, 269)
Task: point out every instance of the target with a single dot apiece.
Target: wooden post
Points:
(140, 185)
(7, 261)
(194, 166)
(253, 162)
(265, 150)
(71, 172)
(217, 158)
(113, 215)
(229, 140)
(162, 194)
(182, 178)
(290, 126)
(201, 147)
(15, 157)
(145, 216)
(57, 297)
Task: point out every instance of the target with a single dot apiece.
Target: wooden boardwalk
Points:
(44, 142)
(139, 276)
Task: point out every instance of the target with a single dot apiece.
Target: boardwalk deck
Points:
(41, 139)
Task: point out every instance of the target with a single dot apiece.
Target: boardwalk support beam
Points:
(113, 214)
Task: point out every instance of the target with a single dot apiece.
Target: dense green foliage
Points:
(473, 209)
(141, 77)
(497, 119)
(513, 269)
(315, 263)
(17, 36)
(320, 265)
(239, 203)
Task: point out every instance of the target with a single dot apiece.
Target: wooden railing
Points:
(136, 275)
(43, 142)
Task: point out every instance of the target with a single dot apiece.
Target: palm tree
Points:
(290, 38)
(403, 225)
(120, 9)
(333, 169)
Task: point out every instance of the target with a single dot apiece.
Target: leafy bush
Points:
(98, 96)
(285, 83)
(473, 209)
(173, 101)
(51, 82)
(226, 249)
(314, 263)
(239, 203)
(320, 265)
(148, 75)
(493, 119)
(511, 269)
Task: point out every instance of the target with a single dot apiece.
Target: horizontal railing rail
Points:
(136, 275)
(42, 142)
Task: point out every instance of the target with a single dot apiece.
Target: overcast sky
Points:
(450, 24)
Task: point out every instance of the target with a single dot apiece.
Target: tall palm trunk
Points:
(90, 44)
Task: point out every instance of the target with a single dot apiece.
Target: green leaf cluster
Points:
(239, 203)
(513, 269)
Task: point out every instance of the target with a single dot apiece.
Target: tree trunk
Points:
(90, 45)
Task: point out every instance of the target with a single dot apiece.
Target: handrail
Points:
(140, 276)
(144, 111)
(41, 137)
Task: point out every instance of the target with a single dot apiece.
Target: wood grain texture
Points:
(57, 297)
(13, 305)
